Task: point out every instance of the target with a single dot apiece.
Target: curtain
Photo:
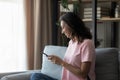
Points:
(12, 36)
(39, 30)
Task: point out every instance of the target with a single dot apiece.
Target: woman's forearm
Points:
(75, 70)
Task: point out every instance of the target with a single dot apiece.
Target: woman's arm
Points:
(80, 72)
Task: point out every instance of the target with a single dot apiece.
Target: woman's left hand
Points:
(55, 59)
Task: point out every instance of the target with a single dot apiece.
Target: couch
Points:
(107, 65)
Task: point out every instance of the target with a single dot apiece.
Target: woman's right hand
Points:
(55, 59)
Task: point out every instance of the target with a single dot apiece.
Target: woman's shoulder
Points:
(88, 41)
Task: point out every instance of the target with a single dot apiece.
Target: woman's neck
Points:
(75, 39)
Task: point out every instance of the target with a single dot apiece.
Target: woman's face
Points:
(66, 29)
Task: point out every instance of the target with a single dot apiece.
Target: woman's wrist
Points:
(63, 64)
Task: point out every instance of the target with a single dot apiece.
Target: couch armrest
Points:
(25, 75)
(9, 73)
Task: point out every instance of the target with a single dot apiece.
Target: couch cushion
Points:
(106, 64)
(48, 67)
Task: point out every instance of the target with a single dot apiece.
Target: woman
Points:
(79, 59)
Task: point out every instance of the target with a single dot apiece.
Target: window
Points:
(12, 36)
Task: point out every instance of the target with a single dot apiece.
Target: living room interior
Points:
(38, 23)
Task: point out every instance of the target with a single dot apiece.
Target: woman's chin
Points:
(68, 37)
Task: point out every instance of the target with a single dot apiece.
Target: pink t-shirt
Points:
(77, 53)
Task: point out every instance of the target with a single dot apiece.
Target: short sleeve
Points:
(88, 51)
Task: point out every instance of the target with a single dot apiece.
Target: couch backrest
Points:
(106, 63)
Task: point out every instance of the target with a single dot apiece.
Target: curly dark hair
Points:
(77, 25)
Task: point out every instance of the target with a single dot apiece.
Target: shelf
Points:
(89, 1)
(86, 1)
(103, 19)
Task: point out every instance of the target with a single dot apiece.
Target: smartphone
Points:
(45, 54)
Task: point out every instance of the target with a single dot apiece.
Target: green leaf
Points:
(64, 4)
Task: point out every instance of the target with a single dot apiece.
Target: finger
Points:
(49, 58)
(54, 61)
